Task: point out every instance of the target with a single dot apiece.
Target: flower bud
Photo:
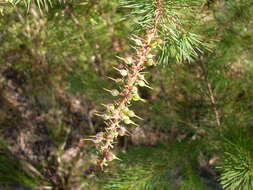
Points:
(135, 89)
(150, 56)
(154, 45)
(136, 97)
(127, 121)
(130, 113)
(125, 109)
(110, 135)
(115, 92)
(124, 117)
(141, 77)
(122, 131)
(109, 107)
(150, 62)
(159, 41)
(98, 137)
(137, 41)
(95, 140)
(141, 83)
(116, 112)
(110, 156)
(129, 60)
(88, 171)
(123, 72)
(106, 117)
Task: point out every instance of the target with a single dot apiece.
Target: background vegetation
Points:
(196, 132)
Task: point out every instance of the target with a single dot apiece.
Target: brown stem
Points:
(211, 94)
(213, 101)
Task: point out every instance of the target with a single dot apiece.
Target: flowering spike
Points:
(133, 77)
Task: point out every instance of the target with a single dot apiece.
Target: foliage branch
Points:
(156, 19)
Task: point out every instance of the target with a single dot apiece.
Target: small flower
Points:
(110, 107)
(123, 72)
(150, 56)
(141, 77)
(141, 83)
(128, 121)
(125, 92)
(122, 131)
(113, 92)
(88, 171)
(98, 137)
(106, 117)
(95, 140)
(154, 44)
(124, 117)
(136, 97)
(110, 156)
(110, 135)
(137, 41)
(150, 62)
(135, 90)
(131, 113)
(129, 60)
(125, 109)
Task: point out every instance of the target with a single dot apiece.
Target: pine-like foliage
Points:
(178, 42)
(162, 28)
(237, 165)
(157, 167)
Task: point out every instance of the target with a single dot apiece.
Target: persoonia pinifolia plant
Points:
(161, 35)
